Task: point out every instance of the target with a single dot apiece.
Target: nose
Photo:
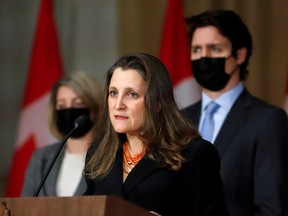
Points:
(205, 53)
(120, 105)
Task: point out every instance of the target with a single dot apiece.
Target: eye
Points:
(60, 106)
(112, 93)
(216, 49)
(196, 49)
(133, 95)
(78, 105)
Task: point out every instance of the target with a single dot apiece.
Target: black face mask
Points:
(210, 73)
(66, 118)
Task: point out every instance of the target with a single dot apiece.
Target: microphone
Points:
(80, 122)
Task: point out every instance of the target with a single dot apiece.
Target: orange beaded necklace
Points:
(129, 162)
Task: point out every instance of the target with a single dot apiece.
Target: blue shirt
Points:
(225, 101)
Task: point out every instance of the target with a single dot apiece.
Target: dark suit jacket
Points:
(37, 167)
(194, 190)
(252, 145)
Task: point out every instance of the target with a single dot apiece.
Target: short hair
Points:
(85, 86)
(230, 25)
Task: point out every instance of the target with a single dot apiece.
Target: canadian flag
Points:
(175, 54)
(45, 69)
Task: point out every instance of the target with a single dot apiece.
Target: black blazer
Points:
(252, 145)
(37, 167)
(194, 190)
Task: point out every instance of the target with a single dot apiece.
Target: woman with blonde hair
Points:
(76, 94)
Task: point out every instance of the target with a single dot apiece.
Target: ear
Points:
(241, 55)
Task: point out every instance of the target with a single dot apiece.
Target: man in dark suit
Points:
(249, 134)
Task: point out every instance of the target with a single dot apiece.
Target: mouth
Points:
(120, 117)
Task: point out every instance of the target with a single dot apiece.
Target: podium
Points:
(70, 206)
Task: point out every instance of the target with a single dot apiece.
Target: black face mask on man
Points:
(66, 118)
(210, 73)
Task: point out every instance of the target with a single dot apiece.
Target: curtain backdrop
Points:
(142, 21)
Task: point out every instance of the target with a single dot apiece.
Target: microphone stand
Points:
(53, 161)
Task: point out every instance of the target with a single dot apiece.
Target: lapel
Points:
(233, 122)
(49, 187)
(81, 187)
(193, 113)
(144, 168)
(114, 180)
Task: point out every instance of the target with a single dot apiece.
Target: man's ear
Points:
(241, 55)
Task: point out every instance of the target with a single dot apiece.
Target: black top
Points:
(196, 189)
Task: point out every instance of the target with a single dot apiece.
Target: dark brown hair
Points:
(165, 131)
(230, 25)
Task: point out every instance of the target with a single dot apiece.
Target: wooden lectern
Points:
(70, 206)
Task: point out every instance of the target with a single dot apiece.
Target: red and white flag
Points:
(45, 69)
(175, 54)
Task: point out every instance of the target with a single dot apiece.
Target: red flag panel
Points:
(175, 54)
(45, 69)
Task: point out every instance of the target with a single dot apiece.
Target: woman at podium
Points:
(145, 151)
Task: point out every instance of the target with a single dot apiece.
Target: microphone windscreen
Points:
(81, 121)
